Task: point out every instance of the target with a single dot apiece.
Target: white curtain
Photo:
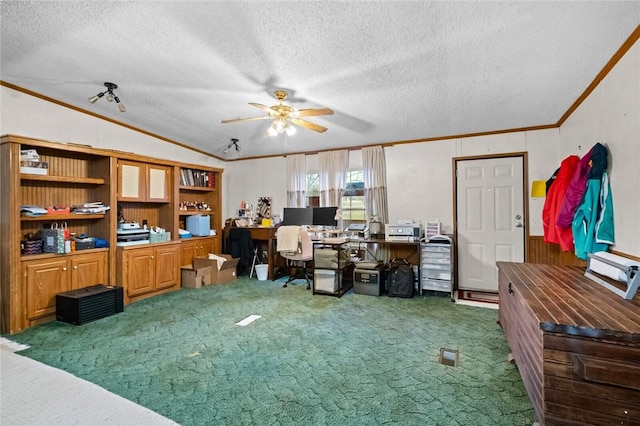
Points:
(297, 175)
(334, 166)
(375, 183)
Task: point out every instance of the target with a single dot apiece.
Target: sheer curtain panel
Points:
(334, 166)
(297, 175)
(375, 183)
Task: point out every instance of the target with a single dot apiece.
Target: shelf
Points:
(68, 179)
(54, 217)
(197, 188)
(191, 213)
(41, 256)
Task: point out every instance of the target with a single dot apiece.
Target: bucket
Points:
(262, 272)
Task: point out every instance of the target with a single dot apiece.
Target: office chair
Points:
(294, 244)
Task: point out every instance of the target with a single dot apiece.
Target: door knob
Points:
(518, 224)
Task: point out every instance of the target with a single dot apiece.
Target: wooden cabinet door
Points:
(167, 266)
(140, 271)
(158, 183)
(88, 269)
(45, 279)
(205, 247)
(187, 252)
(131, 181)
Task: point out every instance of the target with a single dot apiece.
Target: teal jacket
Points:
(592, 224)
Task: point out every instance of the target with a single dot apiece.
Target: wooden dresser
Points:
(576, 344)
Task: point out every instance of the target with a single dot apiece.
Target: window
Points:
(313, 190)
(353, 207)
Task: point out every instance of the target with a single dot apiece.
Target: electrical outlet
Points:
(264, 254)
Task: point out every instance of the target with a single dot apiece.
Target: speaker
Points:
(89, 304)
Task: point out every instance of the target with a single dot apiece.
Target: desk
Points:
(266, 235)
(409, 250)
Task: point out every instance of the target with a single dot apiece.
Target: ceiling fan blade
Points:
(235, 120)
(263, 107)
(309, 125)
(317, 111)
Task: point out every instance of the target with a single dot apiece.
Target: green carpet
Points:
(312, 360)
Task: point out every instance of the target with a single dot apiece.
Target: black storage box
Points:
(369, 279)
(85, 244)
(89, 304)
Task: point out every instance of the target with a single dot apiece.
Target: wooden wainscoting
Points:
(541, 252)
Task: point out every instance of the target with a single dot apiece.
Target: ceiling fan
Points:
(284, 115)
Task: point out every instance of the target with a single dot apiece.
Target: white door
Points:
(490, 219)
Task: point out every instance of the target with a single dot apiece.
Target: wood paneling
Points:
(540, 252)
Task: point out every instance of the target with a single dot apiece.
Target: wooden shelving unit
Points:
(79, 174)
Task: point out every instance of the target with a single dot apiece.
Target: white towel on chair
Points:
(287, 238)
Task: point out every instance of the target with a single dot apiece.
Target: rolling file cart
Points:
(333, 271)
(436, 265)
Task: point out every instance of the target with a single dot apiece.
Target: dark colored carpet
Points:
(312, 360)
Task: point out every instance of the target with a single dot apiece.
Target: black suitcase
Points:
(400, 279)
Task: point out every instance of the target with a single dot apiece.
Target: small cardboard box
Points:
(195, 277)
(227, 271)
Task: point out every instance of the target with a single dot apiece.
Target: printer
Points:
(402, 231)
(130, 233)
(357, 231)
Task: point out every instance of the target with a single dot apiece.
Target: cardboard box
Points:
(195, 277)
(225, 274)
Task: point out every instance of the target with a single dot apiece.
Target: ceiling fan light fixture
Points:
(94, 99)
(290, 130)
(234, 143)
(110, 96)
(281, 114)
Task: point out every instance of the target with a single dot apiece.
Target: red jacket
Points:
(552, 233)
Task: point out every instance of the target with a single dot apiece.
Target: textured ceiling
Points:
(391, 71)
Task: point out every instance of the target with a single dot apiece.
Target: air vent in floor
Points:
(448, 357)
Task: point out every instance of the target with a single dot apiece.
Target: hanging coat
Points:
(591, 166)
(593, 228)
(552, 203)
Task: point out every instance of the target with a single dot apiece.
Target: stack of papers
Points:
(95, 207)
(28, 210)
(335, 240)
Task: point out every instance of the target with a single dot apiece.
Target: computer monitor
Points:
(297, 216)
(325, 216)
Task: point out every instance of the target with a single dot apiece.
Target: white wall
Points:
(419, 175)
(248, 180)
(611, 115)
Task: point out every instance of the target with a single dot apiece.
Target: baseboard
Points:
(478, 296)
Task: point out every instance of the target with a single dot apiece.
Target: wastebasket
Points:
(262, 272)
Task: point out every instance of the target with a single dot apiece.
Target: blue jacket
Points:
(592, 224)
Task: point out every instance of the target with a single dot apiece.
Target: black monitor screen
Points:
(297, 216)
(325, 216)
